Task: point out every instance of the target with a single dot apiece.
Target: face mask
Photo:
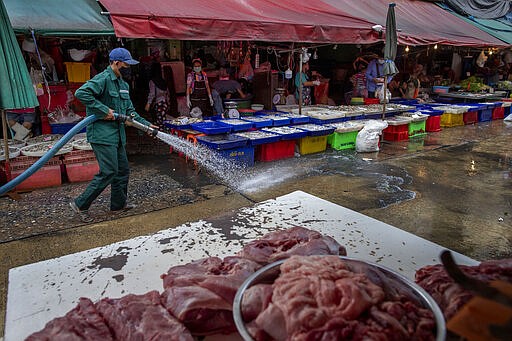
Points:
(125, 72)
(197, 69)
(381, 61)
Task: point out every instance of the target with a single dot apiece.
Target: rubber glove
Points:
(189, 104)
(211, 100)
(316, 83)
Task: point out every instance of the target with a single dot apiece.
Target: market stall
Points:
(42, 291)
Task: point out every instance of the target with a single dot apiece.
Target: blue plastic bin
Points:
(259, 121)
(242, 155)
(63, 128)
(296, 134)
(254, 140)
(210, 127)
(223, 141)
(236, 127)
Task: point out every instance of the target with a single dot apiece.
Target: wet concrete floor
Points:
(453, 188)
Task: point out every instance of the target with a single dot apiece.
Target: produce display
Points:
(473, 84)
(504, 85)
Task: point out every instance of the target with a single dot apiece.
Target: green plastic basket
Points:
(341, 141)
(417, 129)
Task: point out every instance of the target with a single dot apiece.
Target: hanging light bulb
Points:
(407, 49)
(315, 55)
(435, 47)
(335, 47)
(490, 52)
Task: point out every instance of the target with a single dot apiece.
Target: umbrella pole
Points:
(6, 146)
(385, 89)
(300, 84)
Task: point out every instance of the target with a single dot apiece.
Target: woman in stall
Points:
(158, 96)
(199, 94)
(302, 77)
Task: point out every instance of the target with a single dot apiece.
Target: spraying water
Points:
(229, 172)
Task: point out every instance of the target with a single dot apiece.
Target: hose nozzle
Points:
(130, 121)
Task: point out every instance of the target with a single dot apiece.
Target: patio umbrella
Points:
(390, 47)
(16, 90)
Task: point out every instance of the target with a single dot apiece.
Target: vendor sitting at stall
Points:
(225, 88)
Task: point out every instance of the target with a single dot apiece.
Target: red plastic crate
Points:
(368, 101)
(275, 151)
(82, 171)
(397, 128)
(433, 124)
(46, 176)
(470, 117)
(498, 113)
(400, 136)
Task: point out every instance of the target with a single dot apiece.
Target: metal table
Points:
(42, 291)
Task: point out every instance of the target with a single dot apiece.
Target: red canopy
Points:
(319, 21)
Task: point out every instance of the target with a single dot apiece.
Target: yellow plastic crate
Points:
(78, 72)
(312, 144)
(452, 120)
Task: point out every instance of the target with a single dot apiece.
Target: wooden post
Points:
(6, 146)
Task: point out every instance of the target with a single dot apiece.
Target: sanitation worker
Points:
(105, 94)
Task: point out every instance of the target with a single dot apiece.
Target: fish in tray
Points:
(233, 121)
(313, 127)
(256, 135)
(39, 149)
(184, 120)
(284, 130)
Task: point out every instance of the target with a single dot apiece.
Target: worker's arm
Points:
(89, 93)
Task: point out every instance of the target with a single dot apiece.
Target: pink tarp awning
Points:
(319, 21)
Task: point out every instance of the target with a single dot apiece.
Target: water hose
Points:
(39, 163)
(128, 120)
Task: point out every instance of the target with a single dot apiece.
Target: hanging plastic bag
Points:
(482, 58)
(379, 93)
(368, 138)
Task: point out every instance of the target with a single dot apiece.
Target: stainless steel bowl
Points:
(270, 272)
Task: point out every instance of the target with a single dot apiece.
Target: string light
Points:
(407, 49)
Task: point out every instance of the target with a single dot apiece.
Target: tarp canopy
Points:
(58, 18)
(319, 21)
(485, 9)
(16, 90)
(500, 28)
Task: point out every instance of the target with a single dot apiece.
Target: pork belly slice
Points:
(81, 323)
(293, 241)
(449, 295)
(201, 293)
(141, 317)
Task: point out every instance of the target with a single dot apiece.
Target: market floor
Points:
(453, 188)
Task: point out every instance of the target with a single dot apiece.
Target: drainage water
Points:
(229, 172)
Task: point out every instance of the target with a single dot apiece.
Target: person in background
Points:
(375, 75)
(306, 84)
(103, 95)
(225, 88)
(158, 96)
(198, 90)
(21, 121)
(359, 80)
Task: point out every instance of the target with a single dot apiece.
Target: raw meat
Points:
(294, 241)
(449, 295)
(325, 298)
(81, 323)
(201, 293)
(141, 317)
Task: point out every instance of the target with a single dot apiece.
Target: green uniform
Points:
(108, 138)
